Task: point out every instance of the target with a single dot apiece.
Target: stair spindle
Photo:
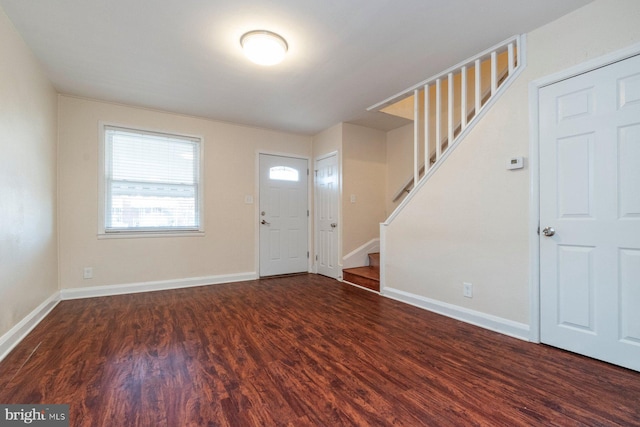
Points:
(438, 119)
(427, 150)
(494, 72)
(478, 88)
(416, 136)
(450, 108)
(511, 62)
(463, 98)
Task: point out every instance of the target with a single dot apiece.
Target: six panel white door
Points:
(327, 197)
(283, 215)
(590, 196)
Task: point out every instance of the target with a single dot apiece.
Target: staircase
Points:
(445, 107)
(367, 276)
(444, 143)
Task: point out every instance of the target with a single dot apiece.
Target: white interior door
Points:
(590, 196)
(283, 216)
(327, 196)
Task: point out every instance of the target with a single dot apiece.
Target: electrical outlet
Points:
(88, 273)
(467, 290)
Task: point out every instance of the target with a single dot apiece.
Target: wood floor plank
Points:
(300, 351)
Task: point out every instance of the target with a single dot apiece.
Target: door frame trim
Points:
(534, 167)
(256, 204)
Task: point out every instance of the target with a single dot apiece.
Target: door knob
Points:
(334, 225)
(263, 222)
(548, 231)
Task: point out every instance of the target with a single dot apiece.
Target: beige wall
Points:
(470, 223)
(28, 237)
(328, 141)
(364, 176)
(229, 174)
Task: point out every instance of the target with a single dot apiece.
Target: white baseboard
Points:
(16, 334)
(359, 256)
(132, 288)
(487, 321)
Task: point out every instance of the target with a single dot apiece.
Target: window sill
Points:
(149, 234)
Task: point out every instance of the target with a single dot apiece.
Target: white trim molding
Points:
(483, 320)
(383, 257)
(102, 184)
(346, 282)
(16, 334)
(161, 285)
(534, 191)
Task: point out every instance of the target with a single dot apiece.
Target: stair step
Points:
(367, 277)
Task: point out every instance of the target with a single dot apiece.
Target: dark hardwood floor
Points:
(296, 351)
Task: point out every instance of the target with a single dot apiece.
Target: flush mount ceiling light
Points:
(263, 47)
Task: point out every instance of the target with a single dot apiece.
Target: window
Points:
(151, 182)
(283, 173)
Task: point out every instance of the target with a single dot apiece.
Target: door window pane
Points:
(284, 173)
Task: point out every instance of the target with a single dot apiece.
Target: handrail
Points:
(471, 112)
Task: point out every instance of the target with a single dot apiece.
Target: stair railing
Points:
(444, 144)
(450, 130)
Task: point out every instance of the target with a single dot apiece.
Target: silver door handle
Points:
(334, 225)
(548, 231)
(263, 222)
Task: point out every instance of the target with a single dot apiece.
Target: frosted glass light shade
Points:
(264, 47)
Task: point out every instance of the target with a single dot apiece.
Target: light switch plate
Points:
(515, 163)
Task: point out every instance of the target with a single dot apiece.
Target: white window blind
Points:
(151, 181)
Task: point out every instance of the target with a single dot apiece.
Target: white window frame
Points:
(102, 187)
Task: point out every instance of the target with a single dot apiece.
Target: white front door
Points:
(590, 197)
(283, 215)
(327, 196)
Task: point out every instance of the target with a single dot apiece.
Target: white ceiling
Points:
(344, 55)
